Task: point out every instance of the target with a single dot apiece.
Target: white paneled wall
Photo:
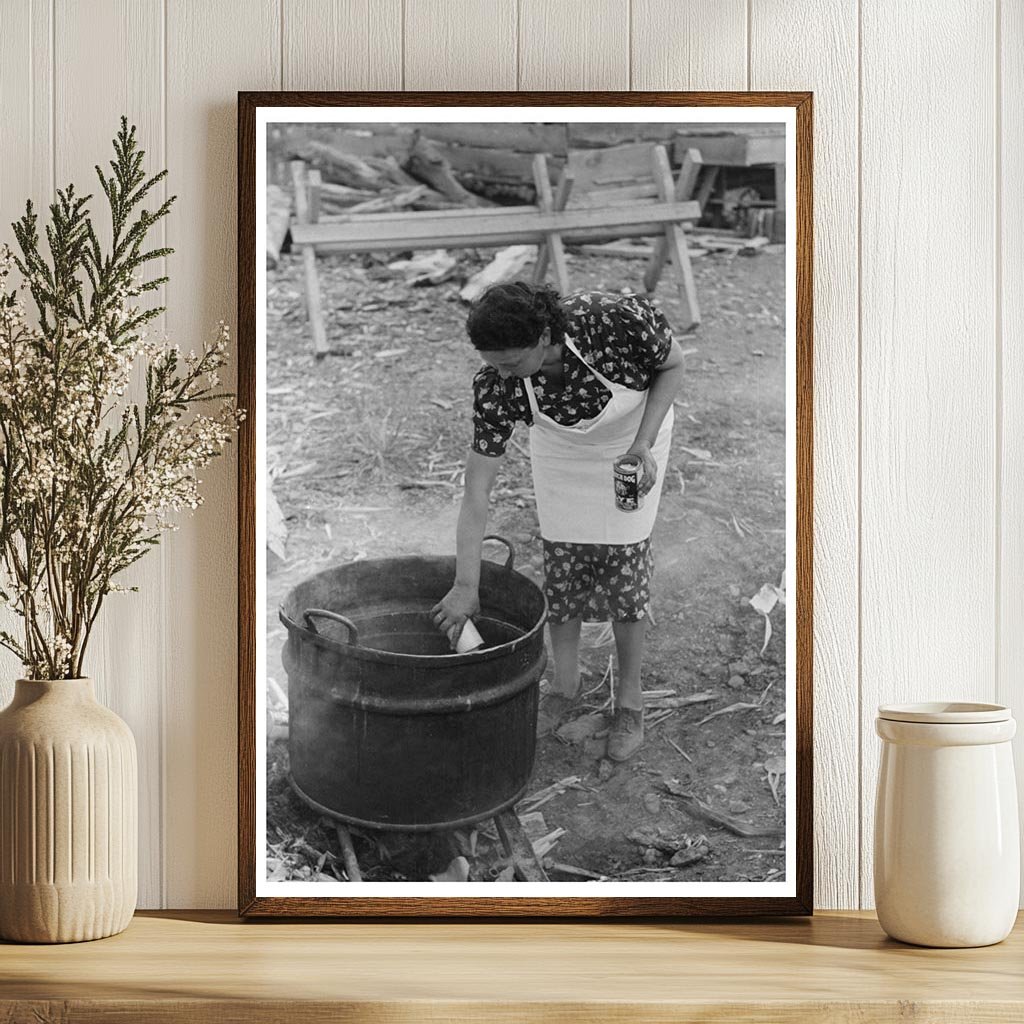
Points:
(919, 318)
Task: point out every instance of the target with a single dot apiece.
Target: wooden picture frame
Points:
(794, 895)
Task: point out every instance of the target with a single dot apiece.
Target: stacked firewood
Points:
(418, 179)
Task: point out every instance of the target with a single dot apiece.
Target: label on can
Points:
(628, 469)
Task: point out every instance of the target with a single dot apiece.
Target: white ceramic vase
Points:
(68, 813)
(947, 848)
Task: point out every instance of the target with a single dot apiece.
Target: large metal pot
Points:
(388, 727)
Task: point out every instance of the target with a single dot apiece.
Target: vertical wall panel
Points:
(342, 44)
(26, 106)
(939, 615)
(693, 44)
(460, 44)
(1010, 232)
(125, 651)
(829, 69)
(574, 44)
(213, 51)
(928, 527)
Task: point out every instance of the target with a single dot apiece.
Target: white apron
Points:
(573, 475)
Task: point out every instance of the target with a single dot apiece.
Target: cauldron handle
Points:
(511, 550)
(310, 613)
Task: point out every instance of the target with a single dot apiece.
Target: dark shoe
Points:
(552, 710)
(627, 734)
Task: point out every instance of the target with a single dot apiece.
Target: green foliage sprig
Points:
(89, 476)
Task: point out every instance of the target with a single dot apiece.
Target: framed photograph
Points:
(525, 504)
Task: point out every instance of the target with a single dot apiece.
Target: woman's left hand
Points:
(649, 477)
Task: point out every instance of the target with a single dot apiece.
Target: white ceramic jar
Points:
(947, 847)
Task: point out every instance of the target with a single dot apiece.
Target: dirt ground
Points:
(365, 448)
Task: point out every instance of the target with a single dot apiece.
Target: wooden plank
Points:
(316, 185)
(928, 357)
(700, 44)
(685, 184)
(675, 242)
(311, 280)
(212, 51)
(126, 656)
(647, 192)
(574, 44)
(474, 227)
(467, 45)
(521, 138)
(496, 164)
(615, 167)
(279, 216)
(600, 135)
(552, 247)
(200, 967)
(707, 185)
(342, 44)
(732, 150)
(1009, 681)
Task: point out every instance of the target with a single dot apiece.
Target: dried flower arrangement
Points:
(89, 477)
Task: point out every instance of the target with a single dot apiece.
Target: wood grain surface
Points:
(928, 369)
(701, 44)
(356, 44)
(832, 75)
(466, 45)
(574, 44)
(199, 967)
(230, 45)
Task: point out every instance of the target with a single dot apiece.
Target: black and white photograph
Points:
(525, 476)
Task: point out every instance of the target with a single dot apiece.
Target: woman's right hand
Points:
(459, 604)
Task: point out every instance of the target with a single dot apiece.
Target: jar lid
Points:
(945, 713)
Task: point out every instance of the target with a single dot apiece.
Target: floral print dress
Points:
(626, 339)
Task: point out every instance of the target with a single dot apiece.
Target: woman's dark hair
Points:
(514, 316)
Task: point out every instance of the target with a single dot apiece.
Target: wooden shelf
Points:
(209, 967)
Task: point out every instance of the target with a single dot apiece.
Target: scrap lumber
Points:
(315, 183)
(734, 149)
(519, 848)
(334, 194)
(314, 303)
(392, 201)
(468, 228)
(675, 241)
(520, 138)
(391, 170)
(426, 164)
(496, 166)
(686, 183)
(552, 248)
(504, 267)
(583, 134)
(341, 167)
(348, 853)
(279, 212)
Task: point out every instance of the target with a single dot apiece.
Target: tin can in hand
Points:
(469, 639)
(628, 470)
